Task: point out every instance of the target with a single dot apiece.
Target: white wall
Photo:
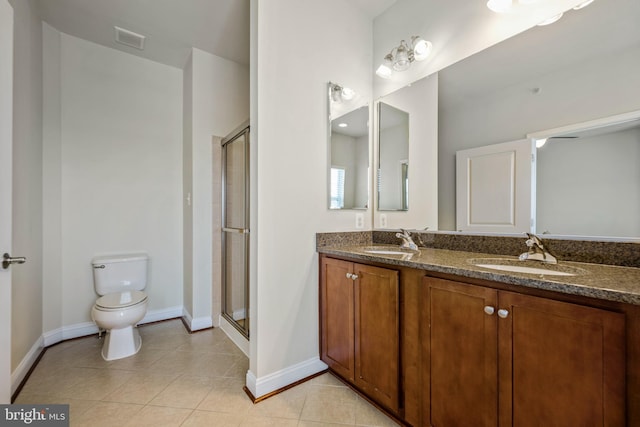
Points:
(26, 319)
(393, 150)
(589, 186)
(301, 45)
(219, 102)
(592, 89)
(187, 185)
(115, 159)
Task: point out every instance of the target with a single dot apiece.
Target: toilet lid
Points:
(118, 300)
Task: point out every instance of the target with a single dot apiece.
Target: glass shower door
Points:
(235, 229)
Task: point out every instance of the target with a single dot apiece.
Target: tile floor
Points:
(182, 379)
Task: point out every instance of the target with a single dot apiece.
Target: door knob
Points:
(7, 260)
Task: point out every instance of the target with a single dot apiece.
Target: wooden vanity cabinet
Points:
(360, 327)
(499, 358)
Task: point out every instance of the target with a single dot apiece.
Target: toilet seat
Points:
(120, 300)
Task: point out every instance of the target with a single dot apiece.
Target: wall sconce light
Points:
(340, 93)
(401, 57)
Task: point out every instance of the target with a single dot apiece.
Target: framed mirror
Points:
(584, 67)
(392, 180)
(348, 174)
(409, 197)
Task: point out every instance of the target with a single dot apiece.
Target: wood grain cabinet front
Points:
(360, 327)
(499, 358)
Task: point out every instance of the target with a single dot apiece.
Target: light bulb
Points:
(401, 61)
(500, 6)
(540, 142)
(422, 49)
(384, 71)
(347, 93)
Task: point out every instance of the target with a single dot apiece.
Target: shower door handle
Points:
(236, 230)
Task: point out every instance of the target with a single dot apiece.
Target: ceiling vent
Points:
(129, 38)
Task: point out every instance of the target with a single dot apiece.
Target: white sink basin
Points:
(387, 250)
(527, 267)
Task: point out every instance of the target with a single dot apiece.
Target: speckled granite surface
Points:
(602, 281)
(597, 252)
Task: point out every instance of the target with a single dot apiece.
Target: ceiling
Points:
(171, 27)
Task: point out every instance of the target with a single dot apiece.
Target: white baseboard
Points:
(90, 328)
(163, 314)
(69, 332)
(280, 379)
(198, 323)
(27, 362)
(238, 339)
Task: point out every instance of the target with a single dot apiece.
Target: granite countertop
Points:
(607, 282)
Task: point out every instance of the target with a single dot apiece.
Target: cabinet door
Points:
(560, 364)
(377, 331)
(462, 367)
(336, 316)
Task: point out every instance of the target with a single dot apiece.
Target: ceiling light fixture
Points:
(401, 56)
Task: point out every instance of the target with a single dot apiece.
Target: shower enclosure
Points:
(235, 229)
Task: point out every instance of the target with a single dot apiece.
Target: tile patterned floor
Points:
(181, 379)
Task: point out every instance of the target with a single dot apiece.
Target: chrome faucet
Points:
(407, 241)
(537, 251)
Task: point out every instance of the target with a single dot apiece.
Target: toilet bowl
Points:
(119, 319)
(119, 279)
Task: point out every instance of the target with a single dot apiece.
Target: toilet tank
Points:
(118, 273)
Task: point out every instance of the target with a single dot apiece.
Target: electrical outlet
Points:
(359, 220)
(383, 220)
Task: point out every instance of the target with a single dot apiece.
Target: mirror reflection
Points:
(584, 67)
(393, 158)
(588, 181)
(348, 150)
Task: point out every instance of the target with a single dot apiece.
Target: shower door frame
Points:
(242, 130)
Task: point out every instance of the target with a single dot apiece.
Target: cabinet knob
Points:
(503, 313)
(349, 275)
(489, 310)
(354, 276)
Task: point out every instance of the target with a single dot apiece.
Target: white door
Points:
(494, 188)
(6, 124)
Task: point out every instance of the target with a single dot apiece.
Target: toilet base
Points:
(121, 343)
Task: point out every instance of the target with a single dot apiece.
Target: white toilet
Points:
(120, 279)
